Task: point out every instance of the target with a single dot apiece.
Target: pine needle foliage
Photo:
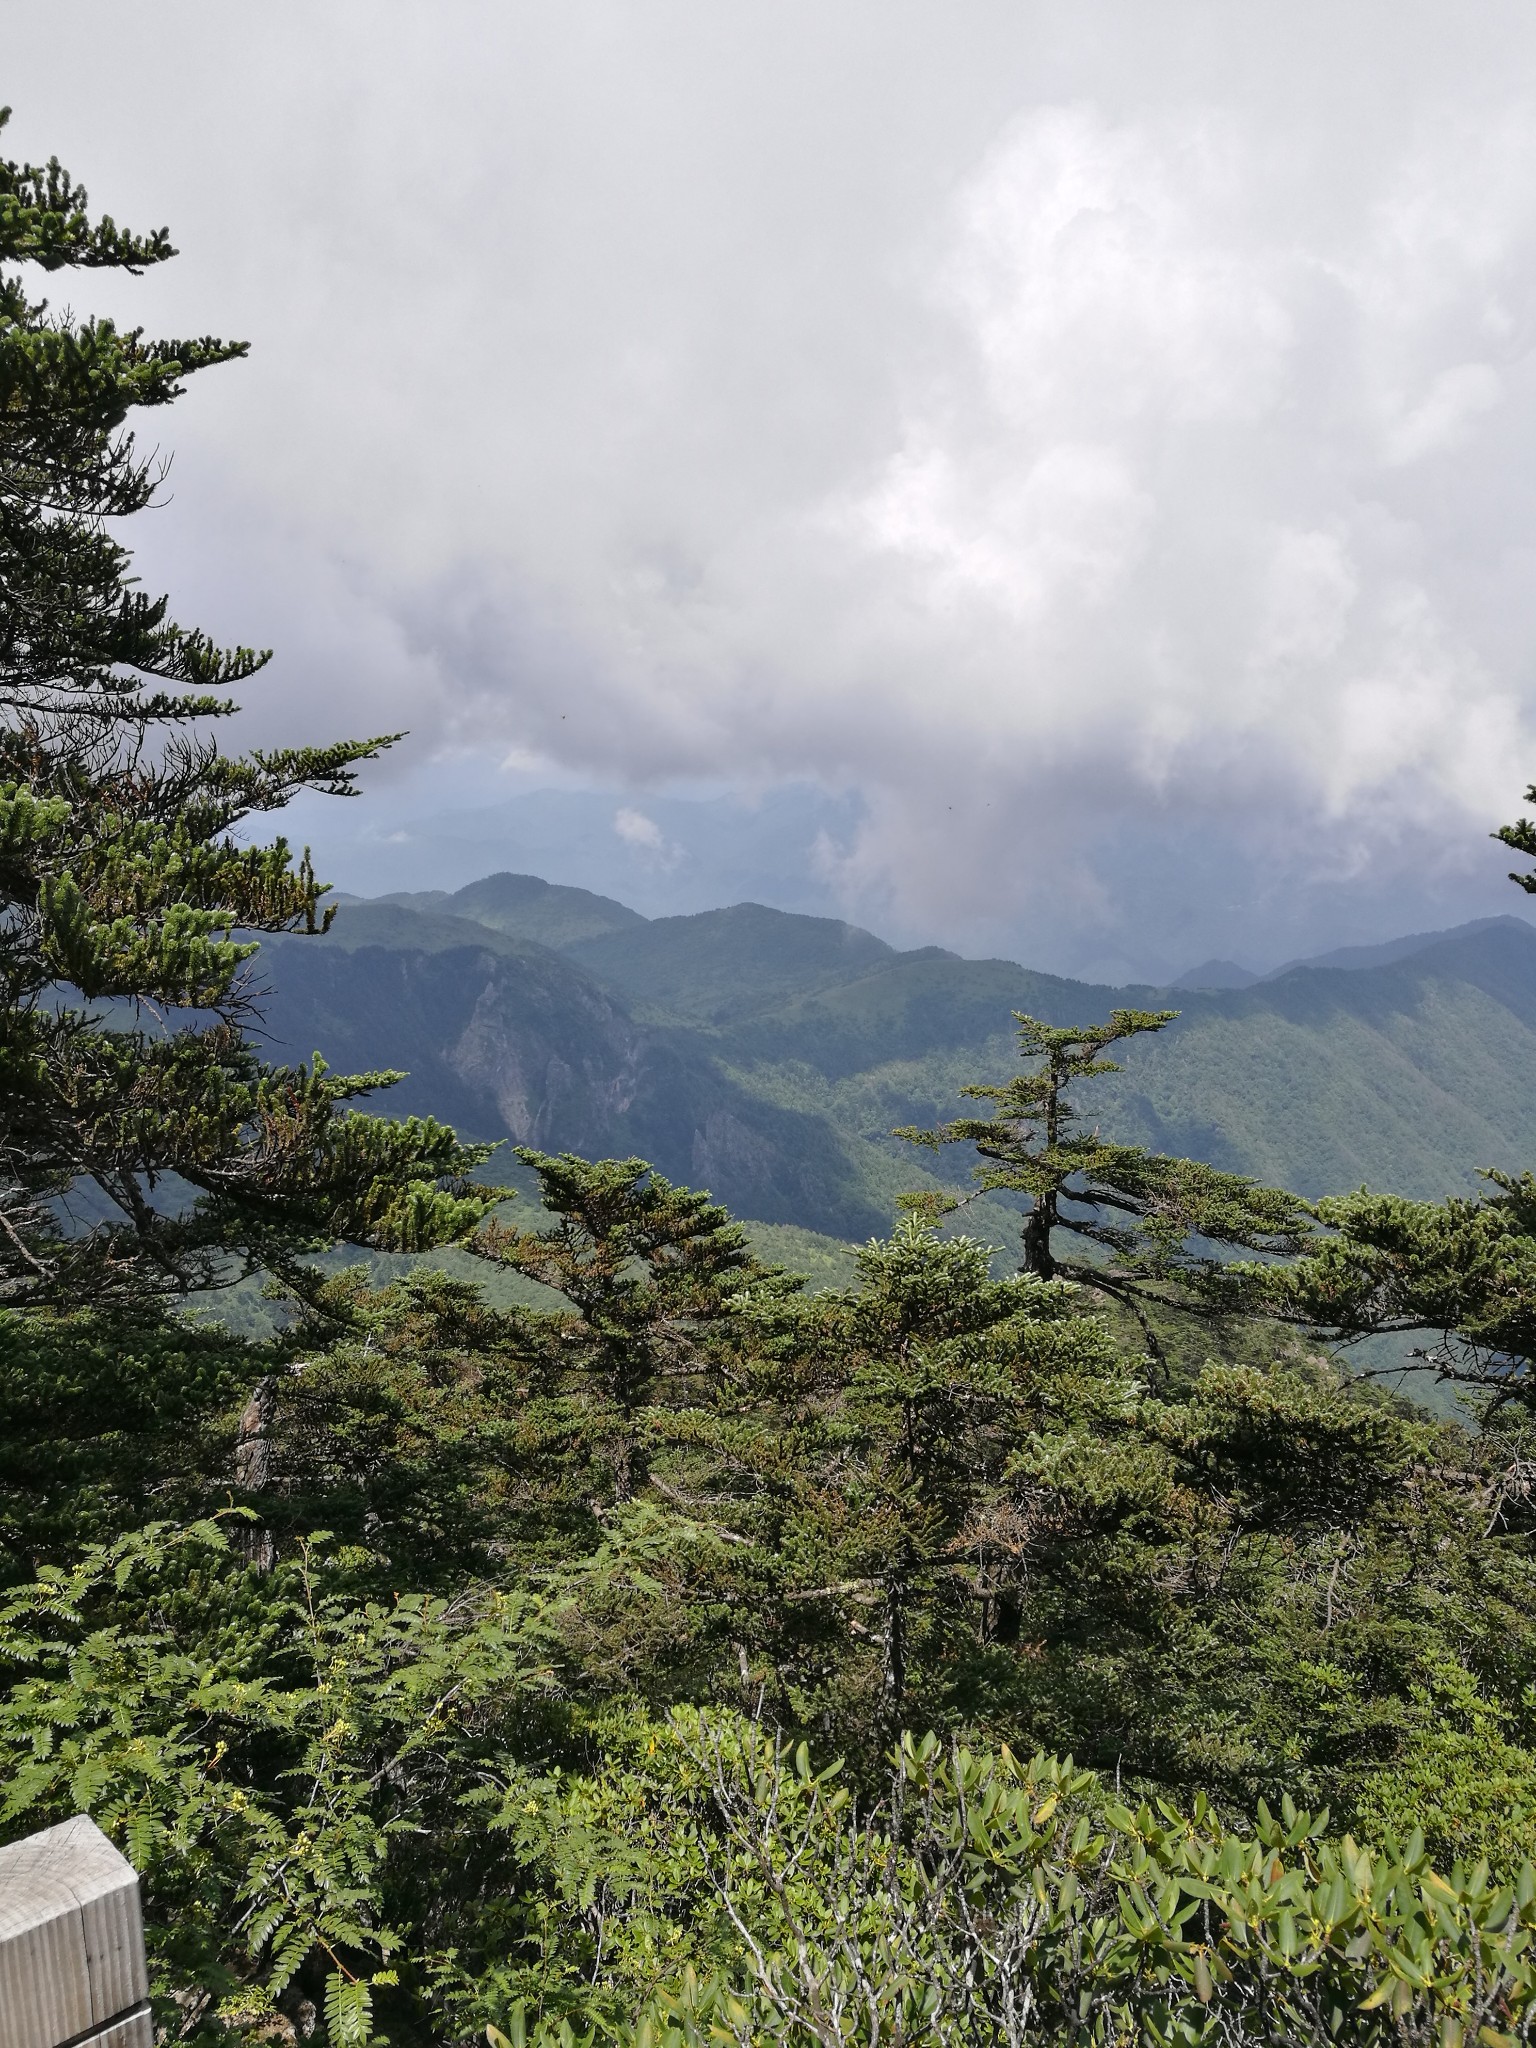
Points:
(1151, 1227)
(649, 1270)
(145, 1146)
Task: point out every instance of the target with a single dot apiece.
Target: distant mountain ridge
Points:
(1228, 974)
(1395, 949)
(767, 1055)
(716, 965)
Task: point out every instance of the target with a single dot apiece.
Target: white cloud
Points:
(1103, 438)
(1064, 529)
(1107, 272)
(636, 829)
(1311, 586)
(1441, 418)
(644, 835)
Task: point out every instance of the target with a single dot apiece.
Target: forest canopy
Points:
(1054, 1640)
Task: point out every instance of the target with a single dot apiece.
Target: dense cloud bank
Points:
(1095, 449)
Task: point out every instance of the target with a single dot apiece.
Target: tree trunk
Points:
(893, 1686)
(1037, 1237)
(253, 1468)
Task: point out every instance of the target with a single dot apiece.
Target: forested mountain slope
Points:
(1408, 1076)
(767, 1056)
(508, 1039)
(722, 965)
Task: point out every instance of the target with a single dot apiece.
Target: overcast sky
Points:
(1092, 443)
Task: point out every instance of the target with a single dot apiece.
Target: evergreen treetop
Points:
(1153, 1224)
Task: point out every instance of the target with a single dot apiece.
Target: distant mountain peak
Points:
(715, 964)
(1216, 974)
(528, 907)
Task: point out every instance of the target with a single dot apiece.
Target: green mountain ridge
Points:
(508, 1039)
(719, 965)
(768, 1055)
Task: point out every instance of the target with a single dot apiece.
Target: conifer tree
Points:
(1154, 1221)
(1521, 838)
(880, 1506)
(130, 1090)
(649, 1271)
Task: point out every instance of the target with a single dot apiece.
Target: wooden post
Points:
(72, 1971)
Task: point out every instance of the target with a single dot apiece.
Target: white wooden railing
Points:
(71, 1943)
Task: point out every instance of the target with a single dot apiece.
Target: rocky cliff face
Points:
(525, 1046)
(552, 1052)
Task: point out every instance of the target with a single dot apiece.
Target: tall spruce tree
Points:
(1150, 1227)
(130, 1090)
